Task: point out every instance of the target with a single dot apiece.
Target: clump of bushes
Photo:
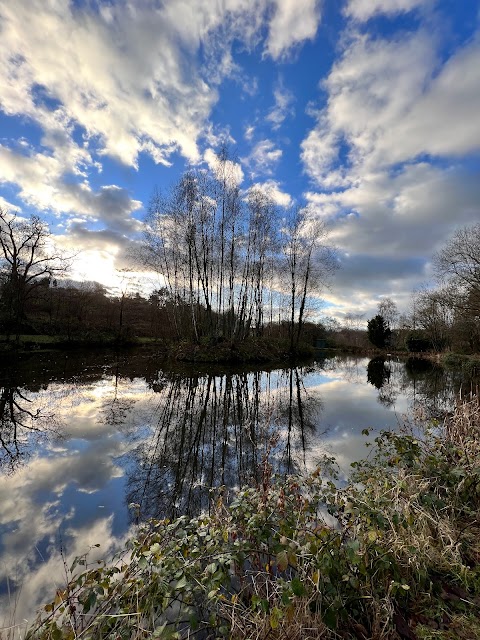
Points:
(470, 365)
(418, 344)
(395, 554)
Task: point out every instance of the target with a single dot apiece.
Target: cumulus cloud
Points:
(44, 186)
(263, 158)
(388, 226)
(95, 67)
(385, 153)
(273, 190)
(89, 69)
(371, 91)
(293, 22)
(391, 101)
(362, 10)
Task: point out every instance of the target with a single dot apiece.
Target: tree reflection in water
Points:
(22, 424)
(214, 431)
(379, 374)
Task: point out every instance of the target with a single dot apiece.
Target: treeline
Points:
(441, 318)
(86, 312)
(230, 263)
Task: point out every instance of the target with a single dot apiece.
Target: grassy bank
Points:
(250, 350)
(469, 364)
(26, 343)
(393, 555)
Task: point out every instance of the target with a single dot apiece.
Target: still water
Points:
(82, 437)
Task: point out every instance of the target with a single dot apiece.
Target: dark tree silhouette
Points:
(378, 332)
(26, 261)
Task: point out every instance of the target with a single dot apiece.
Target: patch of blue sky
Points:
(391, 26)
(11, 194)
(20, 133)
(42, 98)
(460, 19)
(89, 506)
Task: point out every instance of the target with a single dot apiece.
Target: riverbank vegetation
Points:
(230, 265)
(393, 554)
(239, 283)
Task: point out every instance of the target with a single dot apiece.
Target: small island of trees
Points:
(233, 268)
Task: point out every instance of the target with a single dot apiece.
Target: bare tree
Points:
(459, 263)
(435, 315)
(389, 312)
(26, 260)
(309, 263)
(222, 257)
(211, 250)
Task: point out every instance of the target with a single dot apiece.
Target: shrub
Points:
(418, 344)
(398, 547)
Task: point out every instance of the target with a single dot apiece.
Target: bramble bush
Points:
(395, 554)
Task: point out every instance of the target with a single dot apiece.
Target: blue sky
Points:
(366, 110)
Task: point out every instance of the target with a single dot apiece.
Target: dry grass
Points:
(402, 562)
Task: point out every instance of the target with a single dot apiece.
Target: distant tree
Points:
(378, 332)
(458, 263)
(435, 315)
(389, 312)
(26, 260)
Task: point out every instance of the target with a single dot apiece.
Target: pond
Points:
(91, 443)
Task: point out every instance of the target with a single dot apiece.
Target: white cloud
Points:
(393, 109)
(388, 225)
(293, 22)
(232, 170)
(390, 102)
(129, 75)
(371, 90)
(263, 158)
(249, 131)
(362, 10)
(43, 186)
(444, 121)
(273, 190)
(8, 206)
(283, 106)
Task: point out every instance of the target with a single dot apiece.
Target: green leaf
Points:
(182, 583)
(282, 560)
(330, 618)
(90, 601)
(275, 617)
(298, 587)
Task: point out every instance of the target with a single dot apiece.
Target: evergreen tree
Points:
(378, 332)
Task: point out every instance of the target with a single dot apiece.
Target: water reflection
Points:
(378, 372)
(25, 421)
(82, 435)
(215, 431)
